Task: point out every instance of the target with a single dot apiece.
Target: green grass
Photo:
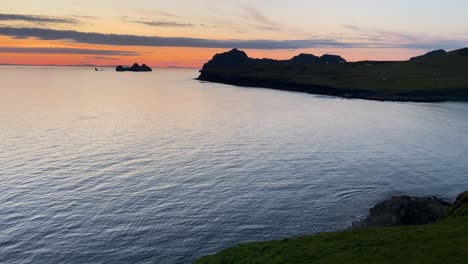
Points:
(443, 242)
(445, 74)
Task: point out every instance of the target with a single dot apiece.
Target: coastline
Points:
(246, 82)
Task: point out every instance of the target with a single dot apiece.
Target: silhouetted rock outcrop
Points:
(305, 59)
(405, 210)
(331, 59)
(431, 54)
(145, 68)
(237, 58)
(134, 68)
(231, 58)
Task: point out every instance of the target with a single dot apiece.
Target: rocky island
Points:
(399, 230)
(134, 68)
(435, 76)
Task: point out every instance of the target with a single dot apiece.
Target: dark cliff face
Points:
(237, 58)
(134, 68)
(429, 55)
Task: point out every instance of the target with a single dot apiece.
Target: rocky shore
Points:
(402, 229)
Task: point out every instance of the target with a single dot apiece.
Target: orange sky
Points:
(171, 56)
(356, 30)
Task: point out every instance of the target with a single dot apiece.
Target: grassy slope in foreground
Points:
(435, 78)
(443, 242)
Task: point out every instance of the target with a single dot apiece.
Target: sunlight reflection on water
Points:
(159, 168)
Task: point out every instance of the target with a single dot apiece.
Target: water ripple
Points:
(161, 169)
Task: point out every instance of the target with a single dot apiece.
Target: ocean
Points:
(106, 167)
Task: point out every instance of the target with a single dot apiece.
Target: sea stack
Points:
(134, 68)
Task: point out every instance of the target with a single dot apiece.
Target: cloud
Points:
(100, 58)
(152, 13)
(156, 41)
(337, 41)
(258, 16)
(163, 23)
(379, 38)
(72, 51)
(38, 19)
(167, 14)
(262, 22)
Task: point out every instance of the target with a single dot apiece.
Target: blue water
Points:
(104, 167)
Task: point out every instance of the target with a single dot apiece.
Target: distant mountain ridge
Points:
(235, 58)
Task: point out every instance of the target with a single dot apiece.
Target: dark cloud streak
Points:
(156, 41)
(163, 23)
(71, 51)
(38, 19)
(100, 58)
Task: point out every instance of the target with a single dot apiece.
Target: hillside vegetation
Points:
(433, 77)
(443, 242)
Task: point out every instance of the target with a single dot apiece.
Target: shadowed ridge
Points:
(305, 58)
(231, 58)
(238, 58)
(429, 55)
(331, 59)
(461, 52)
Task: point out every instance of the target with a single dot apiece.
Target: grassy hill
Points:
(432, 78)
(443, 242)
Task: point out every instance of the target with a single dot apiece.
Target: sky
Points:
(186, 33)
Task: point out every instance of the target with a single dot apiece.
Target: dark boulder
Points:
(405, 210)
(120, 68)
(428, 55)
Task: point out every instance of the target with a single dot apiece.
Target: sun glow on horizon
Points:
(30, 32)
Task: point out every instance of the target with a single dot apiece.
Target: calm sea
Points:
(105, 167)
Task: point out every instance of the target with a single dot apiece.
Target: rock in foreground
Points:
(134, 68)
(405, 210)
(441, 242)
